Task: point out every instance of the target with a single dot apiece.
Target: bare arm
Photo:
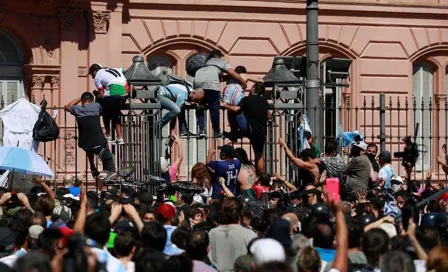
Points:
(296, 161)
(82, 214)
(211, 152)
(71, 103)
(284, 181)
(222, 181)
(413, 240)
(133, 215)
(38, 180)
(230, 108)
(253, 79)
(236, 76)
(180, 159)
(340, 261)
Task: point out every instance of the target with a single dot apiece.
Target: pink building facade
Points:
(398, 47)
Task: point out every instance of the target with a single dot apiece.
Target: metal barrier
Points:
(384, 120)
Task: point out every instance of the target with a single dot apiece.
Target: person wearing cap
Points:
(166, 214)
(396, 184)
(113, 88)
(387, 171)
(91, 137)
(359, 168)
(227, 167)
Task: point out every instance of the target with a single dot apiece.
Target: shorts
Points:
(112, 106)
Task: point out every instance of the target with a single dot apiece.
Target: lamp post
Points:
(313, 105)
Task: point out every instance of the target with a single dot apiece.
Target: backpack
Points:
(168, 79)
(45, 129)
(196, 62)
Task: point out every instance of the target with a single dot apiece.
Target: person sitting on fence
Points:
(232, 95)
(113, 88)
(172, 98)
(91, 136)
(208, 78)
(252, 120)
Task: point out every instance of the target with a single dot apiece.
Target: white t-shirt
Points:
(106, 77)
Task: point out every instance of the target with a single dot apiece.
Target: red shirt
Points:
(260, 189)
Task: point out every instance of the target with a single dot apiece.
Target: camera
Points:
(410, 151)
(182, 187)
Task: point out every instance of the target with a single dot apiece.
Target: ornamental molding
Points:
(37, 82)
(71, 19)
(99, 21)
(54, 81)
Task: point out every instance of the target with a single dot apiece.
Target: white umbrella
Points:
(24, 161)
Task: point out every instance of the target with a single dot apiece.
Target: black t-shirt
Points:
(255, 108)
(90, 132)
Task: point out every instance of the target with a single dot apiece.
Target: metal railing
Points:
(384, 120)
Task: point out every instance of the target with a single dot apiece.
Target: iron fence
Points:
(380, 119)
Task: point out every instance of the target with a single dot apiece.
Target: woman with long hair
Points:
(247, 175)
(200, 176)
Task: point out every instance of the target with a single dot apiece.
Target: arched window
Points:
(160, 63)
(11, 64)
(423, 80)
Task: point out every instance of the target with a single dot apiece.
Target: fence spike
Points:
(12, 98)
(364, 103)
(2, 102)
(423, 103)
(390, 102)
(438, 102)
(406, 103)
(44, 97)
(33, 99)
(348, 102)
(430, 103)
(398, 102)
(373, 102)
(414, 102)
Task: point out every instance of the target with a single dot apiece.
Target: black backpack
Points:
(45, 129)
(168, 79)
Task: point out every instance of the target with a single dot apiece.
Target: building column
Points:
(99, 43)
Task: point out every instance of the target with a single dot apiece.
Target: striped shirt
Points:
(233, 93)
(334, 165)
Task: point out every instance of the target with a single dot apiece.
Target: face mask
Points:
(371, 157)
(395, 187)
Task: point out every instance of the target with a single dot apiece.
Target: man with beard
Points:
(372, 150)
(359, 168)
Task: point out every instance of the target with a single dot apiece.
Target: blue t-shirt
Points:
(175, 92)
(229, 171)
(75, 191)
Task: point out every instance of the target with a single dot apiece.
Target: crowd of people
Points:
(244, 219)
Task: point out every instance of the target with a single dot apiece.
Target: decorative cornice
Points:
(99, 20)
(71, 19)
(3, 13)
(37, 82)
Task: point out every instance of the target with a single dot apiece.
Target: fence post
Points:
(382, 135)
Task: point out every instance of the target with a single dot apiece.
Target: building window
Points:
(423, 80)
(331, 103)
(11, 64)
(160, 63)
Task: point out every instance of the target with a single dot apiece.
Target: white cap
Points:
(163, 165)
(267, 250)
(397, 178)
(389, 229)
(361, 144)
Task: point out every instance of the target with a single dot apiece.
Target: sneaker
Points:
(217, 135)
(188, 134)
(231, 136)
(202, 134)
(119, 141)
(109, 139)
(95, 174)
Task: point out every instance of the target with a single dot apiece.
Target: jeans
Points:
(213, 101)
(105, 156)
(242, 124)
(173, 110)
(231, 117)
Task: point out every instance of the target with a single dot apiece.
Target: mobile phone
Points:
(332, 187)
